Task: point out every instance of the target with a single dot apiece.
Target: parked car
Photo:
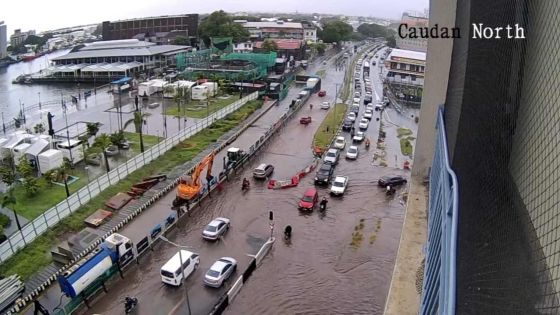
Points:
(220, 271)
(322, 93)
(339, 185)
(324, 174)
(352, 152)
(359, 137)
(325, 105)
(347, 125)
(351, 116)
(263, 171)
(339, 143)
(332, 156)
(364, 123)
(393, 180)
(309, 199)
(218, 227)
(368, 114)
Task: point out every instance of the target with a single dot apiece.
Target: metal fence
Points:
(439, 287)
(62, 210)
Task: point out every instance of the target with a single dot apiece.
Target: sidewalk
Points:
(404, 296)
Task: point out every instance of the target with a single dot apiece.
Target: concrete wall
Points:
(438, 61)
(3, 39)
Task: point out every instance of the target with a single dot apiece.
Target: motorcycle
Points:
(288, 233)
(322, 206)
(130, 304)
(390, 191)
(367, 144)
(245, 187)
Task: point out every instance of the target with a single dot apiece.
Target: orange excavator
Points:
(190, 187)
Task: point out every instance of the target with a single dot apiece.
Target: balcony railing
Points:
(439, 287)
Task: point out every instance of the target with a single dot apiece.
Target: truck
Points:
(115, 250)
(313, 85)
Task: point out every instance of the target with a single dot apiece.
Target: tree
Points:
(391, 42)
(269, 45)
(373, 30)
(30, 185)
(335, 32)
(102, 143)
(24, 167)
(7, 175)
(137, 120)
(39, 128)
(181, 40)
(92, 128)
(62, 174)
(10, 201)
(220, 24)
(50, 177)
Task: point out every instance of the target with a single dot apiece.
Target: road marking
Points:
(177, 305)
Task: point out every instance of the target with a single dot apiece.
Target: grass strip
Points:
(36, 255)
(329, 126)
(403, 132)
(406, 147)
(198, 109)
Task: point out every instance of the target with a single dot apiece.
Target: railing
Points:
(66, 207)
(439, 287)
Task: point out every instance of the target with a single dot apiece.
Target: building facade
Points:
(3, 40)
(127, 29)
(275, 30)
(405, 74)
(18, 37)
(501, 114)
(415, 44)
(309, 32)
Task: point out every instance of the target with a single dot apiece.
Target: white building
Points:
(3, 40)
(406, 67)
(244, 47)
(309, 32)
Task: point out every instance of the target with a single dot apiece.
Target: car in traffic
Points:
(324, 174)
(220, 271)
(263, 171)
(364, 123)
(385, 100)
(347, 125)
(355, 108)
(339, 143)
(357, 94)
(359, 137)
(369, 107)
(379, 106)
(368, 98)
(309, 199)
(322, 93)
(352, 152)
(338, 186)
(356, 100)
(351, 116)
(368, 114)
(325, 105)
(215, 229)
(183, 263)
(332, 156)
(391, 180)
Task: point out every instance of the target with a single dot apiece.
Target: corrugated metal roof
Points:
(111, 67)
(272, 25)
(283, 43)
(401, 53)
(37, 147)
(123, 52)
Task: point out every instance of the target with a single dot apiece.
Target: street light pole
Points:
(163, 238)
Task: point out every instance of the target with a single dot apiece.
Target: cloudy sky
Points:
(51, 14)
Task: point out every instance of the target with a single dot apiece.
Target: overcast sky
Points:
(51, 14)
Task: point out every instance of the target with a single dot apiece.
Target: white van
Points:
(172, 272)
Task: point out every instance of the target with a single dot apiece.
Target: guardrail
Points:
(439, 287)
(66, 207)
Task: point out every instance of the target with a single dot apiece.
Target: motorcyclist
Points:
(245, 183)
(288, 232)
(129, 303)
(390, 190)
(310, 106)
(367, 142)
(323, 204)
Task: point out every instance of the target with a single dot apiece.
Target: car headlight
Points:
(316, 178)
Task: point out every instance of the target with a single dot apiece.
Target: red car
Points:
(309, 199)
(322, 93)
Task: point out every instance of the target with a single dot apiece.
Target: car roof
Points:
(340, 179)
(216, 222)
(218, 265)
(332, 150)
(340, 138)
(326, 166)
(175, 262)
(311, 191)
(353, 147)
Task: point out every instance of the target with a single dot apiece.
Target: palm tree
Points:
(138, 121)
(102, 143)
(10, 200)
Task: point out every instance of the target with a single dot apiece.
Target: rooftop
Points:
(276, 24)
(155, 17)
(409, 54)
(283, 43)
(122, 48)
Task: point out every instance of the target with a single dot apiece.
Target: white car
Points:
(356, 100)
(325, 105)
(357, 94)
(379, 106)
(332, 156)
(368, 114)
(339, 143)
(364, 123)
(352, 117)
(339, 185)
(352, 152)
(359, 137)
(369, 107)
(220, 271)
(218, 227)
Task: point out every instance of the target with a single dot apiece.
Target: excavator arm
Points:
(188, 189)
